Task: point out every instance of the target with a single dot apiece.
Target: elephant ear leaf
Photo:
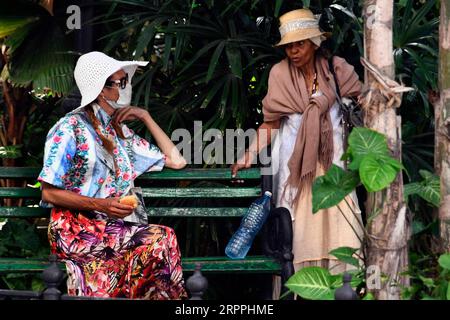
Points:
(345, 254)
(428, 189)
(313, 283)
(331, 188)
(378, 172)
(363, 142)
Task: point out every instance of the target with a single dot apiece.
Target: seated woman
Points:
(91, 160)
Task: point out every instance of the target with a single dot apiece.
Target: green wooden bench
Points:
(180, 187)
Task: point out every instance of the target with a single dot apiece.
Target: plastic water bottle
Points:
(251, 223)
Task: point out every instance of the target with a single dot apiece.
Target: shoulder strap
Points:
(331, 67)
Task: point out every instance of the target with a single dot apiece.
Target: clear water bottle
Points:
(251, 223)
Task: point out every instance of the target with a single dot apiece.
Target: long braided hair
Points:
(108, 142)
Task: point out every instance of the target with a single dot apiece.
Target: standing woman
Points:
(91, 160)
(301, 104)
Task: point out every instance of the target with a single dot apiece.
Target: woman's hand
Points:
(130, 113)
(113, 208)
(71, 200)
(242, 163)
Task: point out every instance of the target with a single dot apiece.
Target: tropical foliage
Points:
(37, 48)
(371, 165)
(210, 62)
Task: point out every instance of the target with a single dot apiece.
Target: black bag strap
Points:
(345, 116)
(338, 91)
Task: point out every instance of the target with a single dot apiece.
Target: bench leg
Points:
(277, 242)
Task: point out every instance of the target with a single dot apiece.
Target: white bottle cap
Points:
(268, 193)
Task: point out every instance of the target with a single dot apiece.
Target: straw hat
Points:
(299, 25)
(93, 69)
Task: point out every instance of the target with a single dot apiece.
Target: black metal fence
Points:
(196, 286)
(53, 276)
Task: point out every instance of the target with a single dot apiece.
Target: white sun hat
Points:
(93, 69)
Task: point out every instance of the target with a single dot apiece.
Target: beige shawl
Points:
(288, 93)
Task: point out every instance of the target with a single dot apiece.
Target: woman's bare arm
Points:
(258, 144)
(71, 200)
(174, 158)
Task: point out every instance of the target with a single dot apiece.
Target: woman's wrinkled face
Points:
(300, 52)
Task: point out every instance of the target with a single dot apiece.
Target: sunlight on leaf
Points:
(312, 283)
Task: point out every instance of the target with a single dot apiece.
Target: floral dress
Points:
(107, 257)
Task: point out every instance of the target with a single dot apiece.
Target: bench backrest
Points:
(195, 186)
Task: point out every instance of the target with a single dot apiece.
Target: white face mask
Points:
(124, 98)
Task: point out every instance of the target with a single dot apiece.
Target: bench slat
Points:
(37, 212)
(17, 192)
(185, 174)
(225, 192)
(201, 174)
(251, 264)
(19, 172)
(196, 212)
(24, 212)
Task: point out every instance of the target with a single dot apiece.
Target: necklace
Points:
(315, 84)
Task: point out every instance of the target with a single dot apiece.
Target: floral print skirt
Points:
(113, 258)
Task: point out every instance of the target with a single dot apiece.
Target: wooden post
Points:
(442, 118)
(387, 248)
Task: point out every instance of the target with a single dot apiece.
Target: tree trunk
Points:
(387, 249)
(442, 118)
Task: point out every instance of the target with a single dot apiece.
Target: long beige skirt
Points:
(315, 235)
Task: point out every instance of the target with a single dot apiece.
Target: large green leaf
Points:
(337, 280)
(411, 188)
(9, 25)
(444, 261)
(448, 291)
(378, 172)
(428, 189)
(199, 53)
(345, 254)
(214, 60)
(49, 66)
(167, 44)
(369, 296)
(312, 283)
(331, 188)
(146, 36)
(234, 59)
(431, 190)
(363, 142)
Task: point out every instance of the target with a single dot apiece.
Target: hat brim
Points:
(128, 66)
(303, 35)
